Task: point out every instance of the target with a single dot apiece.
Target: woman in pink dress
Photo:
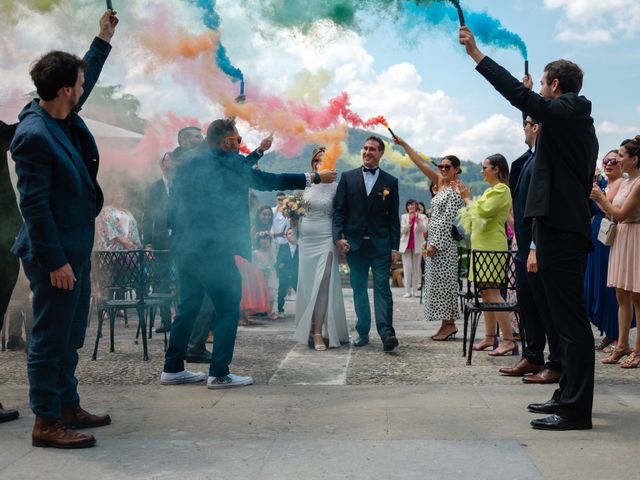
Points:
(624, 260)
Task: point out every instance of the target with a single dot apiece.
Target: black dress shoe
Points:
(548, 407)
(558, 423)
(204, 357)
(8, 415)
(162, 328)
(389, 343)
(361, 341)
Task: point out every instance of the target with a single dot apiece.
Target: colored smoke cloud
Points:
(412, 15)
(487, 29)
(211, 20)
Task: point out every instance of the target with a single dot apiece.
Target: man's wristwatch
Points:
(316, 177)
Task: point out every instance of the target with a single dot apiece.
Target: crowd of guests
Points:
(199, 209)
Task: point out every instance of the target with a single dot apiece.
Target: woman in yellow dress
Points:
(485, 218)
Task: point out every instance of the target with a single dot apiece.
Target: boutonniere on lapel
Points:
(385, 193)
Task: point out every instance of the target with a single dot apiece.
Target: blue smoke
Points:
(211, 20)
(488, 30)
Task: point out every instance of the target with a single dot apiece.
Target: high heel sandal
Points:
(478, 348)
(444, 333)
(614, 357)
(514, 350)
(317, 346)
(632, 361)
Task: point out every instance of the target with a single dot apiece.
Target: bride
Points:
(320, 311)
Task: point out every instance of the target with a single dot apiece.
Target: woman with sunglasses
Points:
(623, 272)
(485, 218)
(441, 265)
(602, 306)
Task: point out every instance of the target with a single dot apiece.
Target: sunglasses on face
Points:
(528, 122)
(235, 137)
(611, 161)
(444, 168)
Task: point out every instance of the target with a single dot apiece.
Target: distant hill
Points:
(413, 183)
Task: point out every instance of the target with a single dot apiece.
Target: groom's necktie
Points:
(372, 171)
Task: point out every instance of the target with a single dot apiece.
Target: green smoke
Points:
(9, 7)
(302, 14)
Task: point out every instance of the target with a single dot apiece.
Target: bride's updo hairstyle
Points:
(316, 153)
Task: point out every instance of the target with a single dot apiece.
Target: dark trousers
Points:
(562, 258)
(9, 269)
(163, 263)
(285, 280)
(59, 326)
(359, 263)
(536, 318)
(198, 341)
(218, 278)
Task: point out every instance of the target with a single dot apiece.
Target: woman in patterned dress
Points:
(440, 287)
(116, 228)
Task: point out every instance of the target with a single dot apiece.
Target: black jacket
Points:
(356, 215)
(10, 219)
(519, 186)
(155, 231)
(287, 265)
(566, 152)
(208, 209)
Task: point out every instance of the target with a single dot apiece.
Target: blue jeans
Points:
(59, 326)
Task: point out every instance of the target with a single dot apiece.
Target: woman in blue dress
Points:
(602, 307)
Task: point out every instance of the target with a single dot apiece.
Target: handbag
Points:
(607, 232)
(455, 233)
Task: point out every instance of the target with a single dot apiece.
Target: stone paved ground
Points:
(341, 414)
(261, 349)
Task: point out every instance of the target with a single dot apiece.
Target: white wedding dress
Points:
(315, 243)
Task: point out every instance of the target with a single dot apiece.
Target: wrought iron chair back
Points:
(490, 270)
(128, 269)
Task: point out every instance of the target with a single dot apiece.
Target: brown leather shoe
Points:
(75, 417)
(545, 376)
(523, 367)
(54, 434)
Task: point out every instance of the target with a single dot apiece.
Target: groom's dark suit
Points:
(371, 225)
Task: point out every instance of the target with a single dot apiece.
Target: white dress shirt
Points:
(370, 180)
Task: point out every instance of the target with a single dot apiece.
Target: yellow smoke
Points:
(308, 87)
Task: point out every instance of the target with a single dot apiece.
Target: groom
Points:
(366, 227)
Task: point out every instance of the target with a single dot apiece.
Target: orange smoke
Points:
(194, 55)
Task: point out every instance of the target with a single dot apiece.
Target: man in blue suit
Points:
(208, 213)
(57, 163)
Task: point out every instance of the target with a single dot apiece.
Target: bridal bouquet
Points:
(295, 207)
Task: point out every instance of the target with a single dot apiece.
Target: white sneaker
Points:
(179, 378)
(407, 295)
(228, 381)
